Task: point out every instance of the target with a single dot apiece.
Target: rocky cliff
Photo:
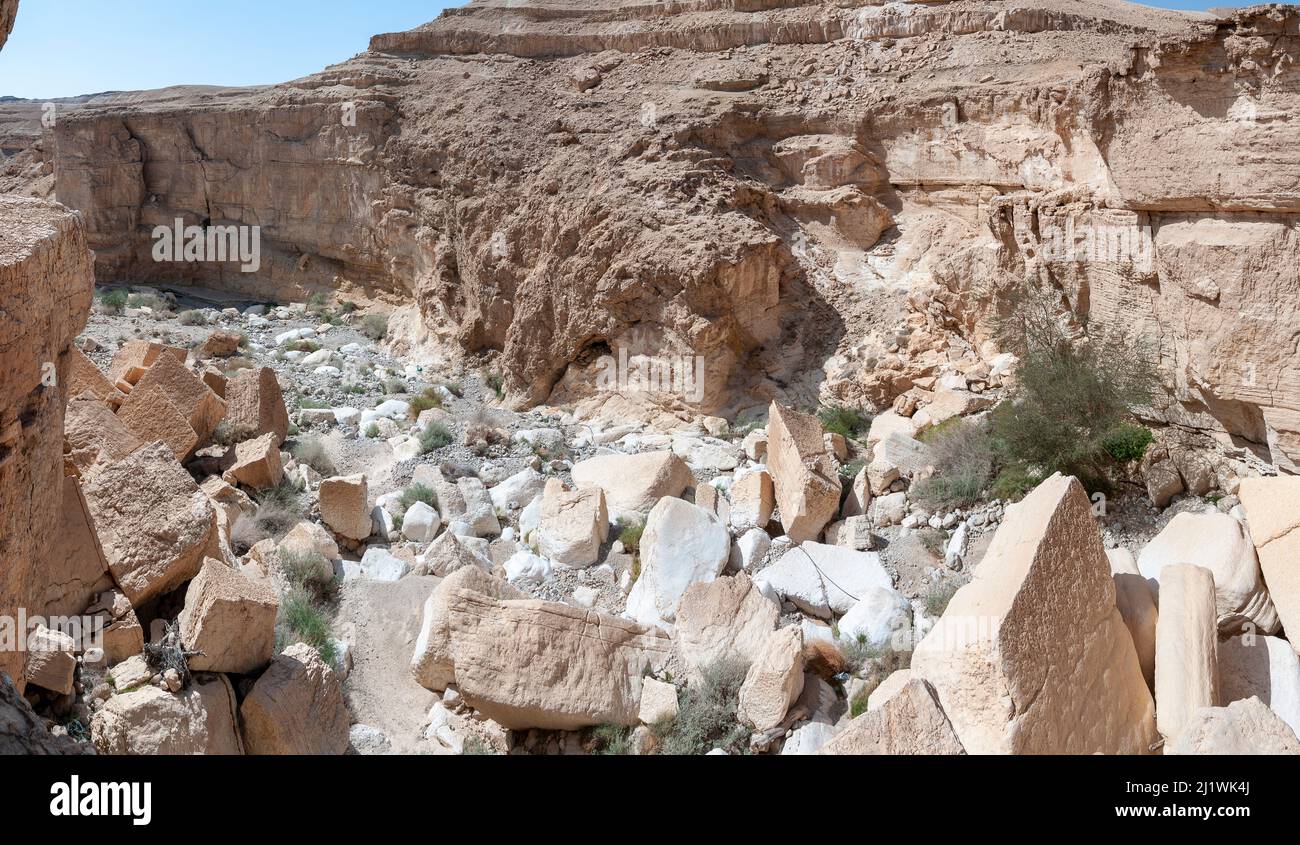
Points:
(817, 199)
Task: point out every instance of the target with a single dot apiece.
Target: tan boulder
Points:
(1138, 607)
(1272, 507)
(634, 483)
(858, 499)
(200, 719)
(723, 620)
(1242, 728)
(432, 664)
(94, 436)
(889, 688)
(1032, 656)
(134, 357)
(296, 707)
(1267, 667)
(658, 702)
(910, 721)
(51, 660)
(344, 507)
(774, 680)
(196, 402)
(752, 500)
(84, 377)
(153, 522)
(220, 344)
(536, 664)
(1187, 671)
(255, 405)
(215, 380)
(853, 532)
(150, 415)
(309, 537)
(574, 524)
(74, 569)
(804, 476)
(230, 618)
(883, 425)
(1217, 542)
(257, 463)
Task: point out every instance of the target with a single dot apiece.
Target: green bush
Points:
(394, 385)
(629, 531)
(146, 300)
(845, 421)
(374, 326)
(609, 740)
(429, 398)
(962, 454)
(311, 452)
(706, 714)
(303, 620)
(1127, 442)
(937, 597)
(372, 431)
(1014, 483)
(302, 345)
(496, 384)
(192, 318)
(113, 301)
(852, 468)
(435, 436)
(418, 493)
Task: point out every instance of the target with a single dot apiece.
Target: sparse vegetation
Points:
(454, 388)
(374, 326)
(418, 493)
(435, 436)
(706, 714)
(933, 540)
(279, 509)
(311, 451)
(306, 402)
(307, 605)
(629, 532)
(302, 345)
(429, 398)
(845, 421)
(937, 597)
(147, 300)
(394, 385)
(496, 384)
(852, 468)
(609, 740)
(963, 456)
(192, 318)
(372, 431)
(113, 301)
(1127, 442)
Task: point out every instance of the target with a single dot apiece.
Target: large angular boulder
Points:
(95, 436)
(752, 500)
(466, 508)
(1242, 728)
(1272, 507)
(634, 483)
(804, 475)
(74, 569)
(85, 378)
(574, 524)
(727, 619)
(255, 405)
(230, 618)
(296, 707)
(200, 719)
(518, 491)
(257, 463)
(1264, 667)
(195, 401)
(51, 661)
(881, 618)
(344, 507)
(150, 415)
(774, 680)
(536, 664)
(823, 580)
(1032, 656)
(1138, 607)
(1187, 670)
(153, 522)
(910, 721)
(682, 544)
(432, 663)
(1217, 542)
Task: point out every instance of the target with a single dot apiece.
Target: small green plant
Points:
(858, 705)
(317, 304)
(852, 468)
(394, 385)
(302, 345)
(937, 597)
(418, 493)
(374, 326)
(1127, 442)
(629, 532)
(496, 384)
(192, 318)
(303, 620)
(706, 714)
(435, 436)
(146, 300)
(610, 740)
(311, 451)
(372, 431)
(307, 403)
(429, 398)
(845, 421)
(1014, 483)
(113, 301)
(352, 387)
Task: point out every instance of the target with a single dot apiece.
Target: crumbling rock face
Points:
(45, 285)
(8, 10)
(814, 199)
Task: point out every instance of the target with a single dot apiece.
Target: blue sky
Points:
(61, 48)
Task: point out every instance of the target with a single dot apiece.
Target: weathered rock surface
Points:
(823, 580)
(682, 544)
(344, 506)
(574, 524)
(804, 475)
(230, 618)
(199, 720)
(1032, 655)
(634, 483)
(1137, 607)
(1187, 670)
(1243, 727)
(1267, 668)
(723, 620)
(21, 730)
(1273, 516)
(296, 707)
(774, 680)
(911, 721)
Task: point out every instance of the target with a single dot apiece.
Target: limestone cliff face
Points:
(8, 11)
(814, 197)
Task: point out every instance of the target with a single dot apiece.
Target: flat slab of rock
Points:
(1187, 671)
(1272, 507)
(343, 505)
(74, 567)
(200, 719)
(634, 483)
(823, 580)
(432, 664)
(911, 721)
(153, 522)
(1032, 656)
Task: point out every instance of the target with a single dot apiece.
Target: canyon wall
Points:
(823, 201)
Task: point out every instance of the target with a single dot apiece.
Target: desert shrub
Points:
(706, 714)
(937, 597)
(302, 619)
(429, 398)
(317, 304)
(1127, 442)
(1070, 394)
(845, 421)
(873, 664)
(311, 451)
(306, 402)
(435, 436)
(394, 385)
(962, 454)
(496, 384)
(113, 301)
(245, 533)
(454, 388)
(192, 318)
(302, 344)
(352, 387)
(1013, 483)
(374, 326)
(852, 468)
(279, 509)
(933, 540)
(372, 431)
(146, 300)
(629, 531)
(609, 740)
(418, 493)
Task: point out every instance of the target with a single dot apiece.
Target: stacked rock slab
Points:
(908, 722)
(45, 291)
(1032, 656)
(1272, 508)
(804, 474)
(1187, 665)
